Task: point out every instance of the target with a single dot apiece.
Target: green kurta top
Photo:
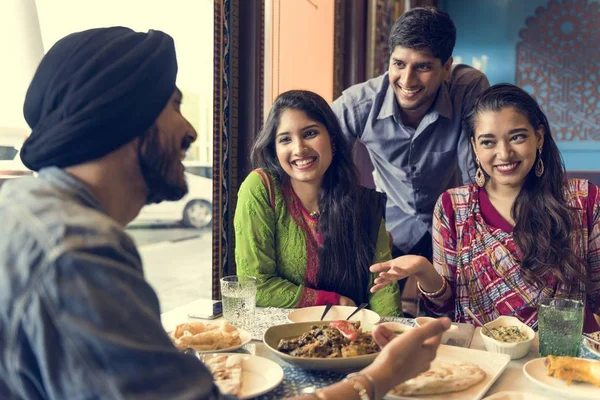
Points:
(275, 244)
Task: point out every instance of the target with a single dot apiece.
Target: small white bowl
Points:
(453, 330)
(514, 350)
(397, 327)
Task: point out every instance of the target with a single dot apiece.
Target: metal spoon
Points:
(480, 323)
(591, 339)
(363, 305)
(327, 308)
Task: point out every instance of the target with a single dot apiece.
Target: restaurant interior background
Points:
(236, 56)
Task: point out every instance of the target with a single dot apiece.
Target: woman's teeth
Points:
(507, 167)
(303, 163)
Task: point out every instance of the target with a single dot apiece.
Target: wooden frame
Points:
(225, 124)
(381, 16)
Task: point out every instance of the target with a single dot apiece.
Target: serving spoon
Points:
(327, 308)
(363, 305)
(480, 323)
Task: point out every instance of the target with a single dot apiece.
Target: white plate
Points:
(593, 347)
(307, 314)
(275, 333)
(259, 375)
(535, 371)
(245, 337)
(512, 395)
(492, 363)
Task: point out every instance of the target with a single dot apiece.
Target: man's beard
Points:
(157, 168)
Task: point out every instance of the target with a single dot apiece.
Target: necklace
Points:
(314, 214)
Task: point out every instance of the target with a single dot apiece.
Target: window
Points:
(174, 238)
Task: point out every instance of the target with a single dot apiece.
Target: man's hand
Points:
(405, 356)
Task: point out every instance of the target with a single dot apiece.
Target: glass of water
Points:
(238, 293)
(560, 324)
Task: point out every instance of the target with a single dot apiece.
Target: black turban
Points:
(95, 91)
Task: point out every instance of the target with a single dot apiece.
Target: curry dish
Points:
(330, 341)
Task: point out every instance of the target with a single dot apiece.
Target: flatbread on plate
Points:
(442, 378)
(227, 372)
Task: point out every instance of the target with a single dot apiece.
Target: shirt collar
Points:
(69, 184)
(442, 105)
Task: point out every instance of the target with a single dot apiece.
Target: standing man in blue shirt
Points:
(409, 119)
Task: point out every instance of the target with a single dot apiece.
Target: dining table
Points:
(296, 379)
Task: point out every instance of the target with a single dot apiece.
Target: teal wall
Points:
(492, 28)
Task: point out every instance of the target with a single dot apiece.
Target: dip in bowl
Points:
(511, 337)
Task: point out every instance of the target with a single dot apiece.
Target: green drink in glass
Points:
(560, 323)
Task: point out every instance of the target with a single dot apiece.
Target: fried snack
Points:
(205, 337)
(573, 369)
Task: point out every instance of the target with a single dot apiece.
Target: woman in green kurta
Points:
(304, 227)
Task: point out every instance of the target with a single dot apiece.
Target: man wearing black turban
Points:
(78, 319)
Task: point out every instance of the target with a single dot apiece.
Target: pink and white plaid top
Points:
(474, 250)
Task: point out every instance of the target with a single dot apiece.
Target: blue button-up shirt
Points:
(412, 166)
(78, 320)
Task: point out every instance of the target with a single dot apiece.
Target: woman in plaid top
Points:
(522, 232)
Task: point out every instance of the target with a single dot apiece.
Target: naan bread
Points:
(442, 378)
(227, 372)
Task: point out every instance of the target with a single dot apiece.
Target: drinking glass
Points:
(239, 300)
(560, 323)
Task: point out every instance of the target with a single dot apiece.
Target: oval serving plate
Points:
(275, 333)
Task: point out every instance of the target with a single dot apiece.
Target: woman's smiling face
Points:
(303, 146)
(506, 145)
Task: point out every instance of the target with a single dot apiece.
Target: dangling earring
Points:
(539, 165)
(479, 175)
(333, 148)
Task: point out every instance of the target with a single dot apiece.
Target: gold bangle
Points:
(359, 388)
(437, 293)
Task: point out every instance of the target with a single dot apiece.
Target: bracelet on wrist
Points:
(369, 378)
(438, 293)
(316, 393)
(358, 387)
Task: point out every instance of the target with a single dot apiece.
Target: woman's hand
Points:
(346, 301)
(404, 356)
(402, 267)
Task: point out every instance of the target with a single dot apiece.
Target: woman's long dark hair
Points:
(347, 251)
(544, 223)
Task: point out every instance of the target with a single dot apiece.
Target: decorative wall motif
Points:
(225, 136)
(381, 17)
(558, 61)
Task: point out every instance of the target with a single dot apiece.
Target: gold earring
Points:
(479, 175)
(539, 165)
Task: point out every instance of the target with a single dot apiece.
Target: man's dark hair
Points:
(425, 28)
